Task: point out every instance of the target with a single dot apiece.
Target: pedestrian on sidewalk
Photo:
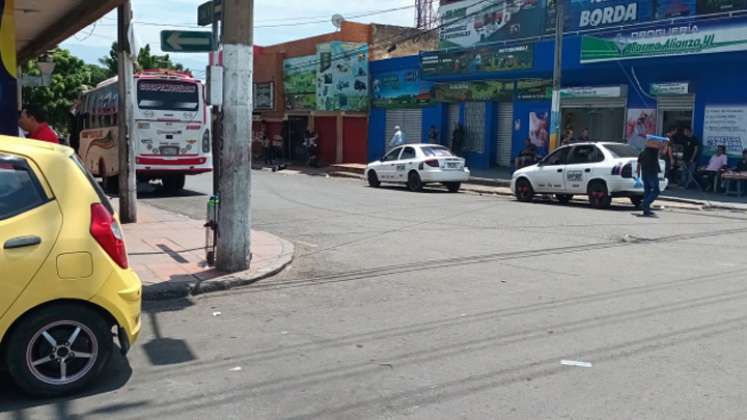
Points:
(398, 139)
(457, 140)
(433, 135)
(33, 120)
(312, 148)
(266, 148)
(648, 171)
(690, 148)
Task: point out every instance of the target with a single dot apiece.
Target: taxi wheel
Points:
(453, 186)
(524, 190)
(564, 198)
(414, 183)
(59, 349)
(373, 179)
(599, 197)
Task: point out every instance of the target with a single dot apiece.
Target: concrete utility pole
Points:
(127, 181)
(234, 216)
(555, 115)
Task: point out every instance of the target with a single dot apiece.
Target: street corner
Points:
(172, 262)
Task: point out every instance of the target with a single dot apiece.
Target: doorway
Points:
(603, 123)
(294, 131)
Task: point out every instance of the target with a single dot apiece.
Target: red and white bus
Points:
(171, 133)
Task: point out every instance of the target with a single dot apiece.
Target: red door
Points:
(355, 140)
(326, 128)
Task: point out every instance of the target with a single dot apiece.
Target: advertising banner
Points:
(672, 41)
(666, 9)
(476, 60)
(401, 89)
(264, 96)
(485, 90)
(473, 22)
(641, 122)
(299, 82)
(342, 80)
(705, 7)
(533, 90)
(596, 14)
(725, 126)
(8, 86)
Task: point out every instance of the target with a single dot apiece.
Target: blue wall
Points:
(715, 79)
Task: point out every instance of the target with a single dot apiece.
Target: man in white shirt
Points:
(718, 163)
(398, 138)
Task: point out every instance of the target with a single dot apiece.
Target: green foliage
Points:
(145, 60)
(71, 76)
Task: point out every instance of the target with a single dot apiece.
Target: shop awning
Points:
(42, 24)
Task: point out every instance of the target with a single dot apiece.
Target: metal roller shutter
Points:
(675, 103)
(474, 127)
(409, 120)
(504, 135)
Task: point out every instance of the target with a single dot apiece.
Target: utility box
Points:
(215, 85)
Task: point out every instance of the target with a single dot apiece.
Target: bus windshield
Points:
(167, 95)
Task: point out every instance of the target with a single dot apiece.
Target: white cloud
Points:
(94, 41)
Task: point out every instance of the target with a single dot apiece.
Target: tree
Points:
(145, 60)
(70, 78)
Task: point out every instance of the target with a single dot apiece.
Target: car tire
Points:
(564, 198)
(414, 183)
(373, 179)
(524, 191)
(599, 196)
(453, 187)
(174, 183)
(636, 201)
(31, 343)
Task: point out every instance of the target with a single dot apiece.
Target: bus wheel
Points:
(111, 184)
(174, 183)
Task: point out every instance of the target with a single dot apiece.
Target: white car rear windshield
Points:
(621, 150)
(436, 152)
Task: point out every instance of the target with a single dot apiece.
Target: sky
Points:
(290, 19)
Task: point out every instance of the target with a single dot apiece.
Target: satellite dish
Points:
(337, 20)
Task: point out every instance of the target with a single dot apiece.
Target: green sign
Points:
(533, 90)
(667, 89)
(485, 90)
(477, 60)
(665, 42)
(186, 41)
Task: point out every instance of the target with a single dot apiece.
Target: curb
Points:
(485, 182)
(196, 287)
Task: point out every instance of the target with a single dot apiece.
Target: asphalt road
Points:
(444, 306)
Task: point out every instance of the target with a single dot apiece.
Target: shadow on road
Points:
(115, 376)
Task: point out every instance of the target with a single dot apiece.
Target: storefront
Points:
(619, 84)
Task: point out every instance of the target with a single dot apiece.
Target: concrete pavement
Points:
(167, 250)
(443, 306)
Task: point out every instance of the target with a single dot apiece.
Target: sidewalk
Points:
(498, 181)
(167, 251)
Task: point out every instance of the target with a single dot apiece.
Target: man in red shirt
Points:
(33, 122)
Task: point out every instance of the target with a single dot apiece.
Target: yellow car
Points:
(66, 290)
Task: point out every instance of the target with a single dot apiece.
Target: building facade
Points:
(630, 68)
(322, 83)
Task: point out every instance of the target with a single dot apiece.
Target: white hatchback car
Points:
(600, 171)
(416, 165)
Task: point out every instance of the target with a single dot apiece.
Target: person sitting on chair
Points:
(716, 165)
(528, 155)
